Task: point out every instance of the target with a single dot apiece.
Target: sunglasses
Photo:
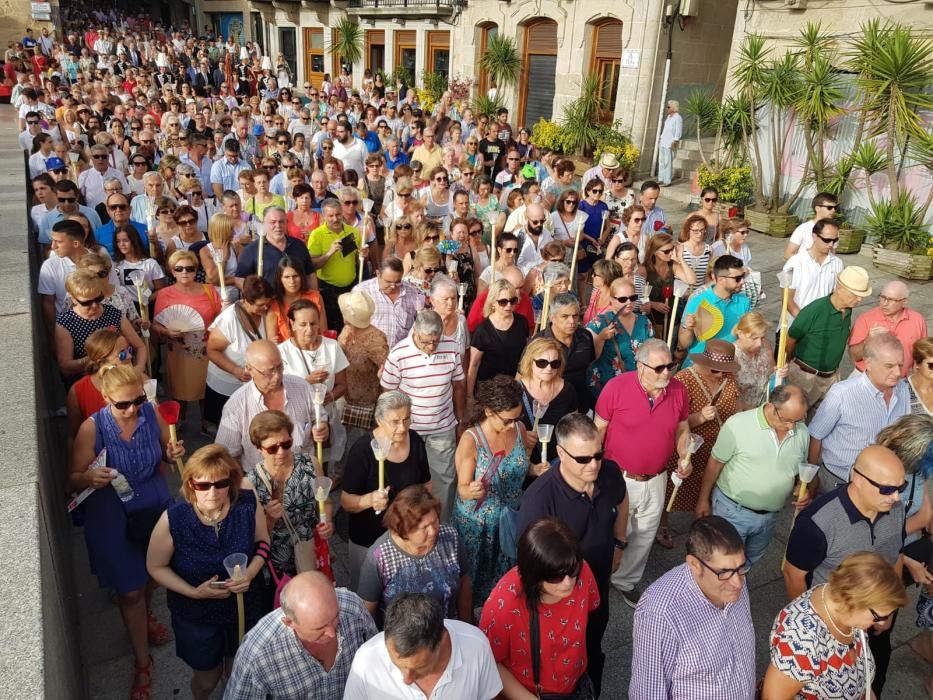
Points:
(880, 618)
(32, 123)
(350, 202)
(139, 164)
(403, 227)
(476, 232)
(666, 251)
(99, 156)
(327, 148)
(541, 363)
(208, 485)
(711, 199)
(510, 250)
(564, 573)
(883, 489)
(432, 238)
(90, 302)
(660, 368)
(430, 270)
(571, 202)
(60, 171)
(619, 182)
(185, 268)
(123, 405)
(827, 241)
(274, 449)
(585, 459)
(599, 191)
(506, 302)
(67, 200)
(737, 278)
(187, 222)
(166, 211)
(623, 300)
(831, 207)
(404, 194)
(537, 222)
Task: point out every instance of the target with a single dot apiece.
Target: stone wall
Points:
(15, 18)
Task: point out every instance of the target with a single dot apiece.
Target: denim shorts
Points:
(203, 647)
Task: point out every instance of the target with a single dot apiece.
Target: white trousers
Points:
(645, 505)
(665, 165)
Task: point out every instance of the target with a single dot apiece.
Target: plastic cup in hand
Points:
(380, 447)
(218, 256)
(694, 443)
(322, 487)
(545, 431)
(151, 387)
(807, 473)
(368, 206)
(318, 394)
(785, 278)
(646, 293)
(461, 294)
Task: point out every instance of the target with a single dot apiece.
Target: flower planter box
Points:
(774, 225)
(910, 266)
(850, 241)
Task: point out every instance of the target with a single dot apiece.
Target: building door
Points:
(439, 53)
(314, 55)
(539, 68)
(606, 62)
(406, 54)
(486, 34)
(288, 47)
(375, 50)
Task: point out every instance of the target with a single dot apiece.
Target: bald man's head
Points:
(514, 276)
(264, 364)
(877, 469)
(895, 291)
(310, 608)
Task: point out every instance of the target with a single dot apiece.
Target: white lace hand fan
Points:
(181, 318)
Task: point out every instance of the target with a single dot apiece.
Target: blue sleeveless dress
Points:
(116, 561)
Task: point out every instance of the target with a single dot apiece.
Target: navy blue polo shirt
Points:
(592, 521)
(831, 528)
(294, 249)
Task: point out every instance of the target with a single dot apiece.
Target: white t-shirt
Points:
(803, 235)
(52, 276)
(149, 267)
(470, 673)
(38, 214)
(811, 280)
(227, 323)
(329, 356)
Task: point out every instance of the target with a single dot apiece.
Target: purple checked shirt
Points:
(686, 648)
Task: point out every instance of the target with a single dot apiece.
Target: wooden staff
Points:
(782, 341)
(576, 247)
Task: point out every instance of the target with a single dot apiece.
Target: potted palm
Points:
(503, 62)
(347, 42)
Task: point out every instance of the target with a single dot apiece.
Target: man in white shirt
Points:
(143, 206)
(422, 655)
(350, 150)
(91, 181)
(670, 140)
(824, 207)
(607, 164)
(814, 268)
(67, 249)
(534, 236)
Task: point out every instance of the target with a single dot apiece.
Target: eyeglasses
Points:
(432, 238)
(99, 156)
(660, 368)
(638, 221)
(208, 485)
(541, 363)
(585, 459)
(737, 278)
(67, 200)
(883, 489)
(726, 574)
(880, 618)
(123, 405)
(508, 421)
(711, 199)
(90, 302)
(698, 230)
(572, 573)
(623, 300)
(185, 268)
(271, 372)
(827, 241)
(274, 449)
(166, 211)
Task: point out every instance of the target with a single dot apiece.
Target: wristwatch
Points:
(619, 544)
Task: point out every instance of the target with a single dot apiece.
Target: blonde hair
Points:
(211, 462)
(751, 322)
(115, 377)
(535, 348)
(180, 255)
(392, 234)
(99, 346)
(865, 580)
(84, 283)
(496, 288)
(426, 256)
(94, 260)
(220, 230)
(426, 228)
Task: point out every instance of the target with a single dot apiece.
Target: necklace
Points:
(829, 615)
(214, 522)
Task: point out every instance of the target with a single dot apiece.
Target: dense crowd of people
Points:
(504, 375)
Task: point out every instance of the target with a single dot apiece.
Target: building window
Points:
(375, 50)
(406, 52)
(439, 52)
(486, 34)
(314, 55)
(605, 62)
(539, 69)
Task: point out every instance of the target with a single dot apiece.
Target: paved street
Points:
(106, 650)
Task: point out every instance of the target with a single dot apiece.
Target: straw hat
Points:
(609, 161)
(855, 279)
(717, 354)
(357, 309)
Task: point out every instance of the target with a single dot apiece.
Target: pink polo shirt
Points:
(909, 328)
(640, 437)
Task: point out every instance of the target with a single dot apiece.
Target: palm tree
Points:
(502, 61)
(347, 43)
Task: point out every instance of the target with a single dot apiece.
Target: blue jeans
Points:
(755, 529)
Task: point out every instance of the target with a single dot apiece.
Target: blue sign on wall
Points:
(231, 24)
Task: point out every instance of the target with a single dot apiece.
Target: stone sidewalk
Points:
(106, 650)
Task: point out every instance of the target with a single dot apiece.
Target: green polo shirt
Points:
(821, 332)
(340, 270)
(758, 473)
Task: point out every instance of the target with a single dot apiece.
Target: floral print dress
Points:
(618, 353)
(477, 522)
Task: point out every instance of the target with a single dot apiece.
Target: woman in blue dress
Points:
(129, 496)
(483, 490)
(591, 239)
(617, 333)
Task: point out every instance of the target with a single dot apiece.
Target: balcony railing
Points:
(418, 4)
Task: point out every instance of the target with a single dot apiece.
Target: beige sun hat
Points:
(856, 280)
(357, 309)
(609, 161)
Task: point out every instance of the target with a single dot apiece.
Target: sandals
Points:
(663, 537)
(158, 633)
(143, 690)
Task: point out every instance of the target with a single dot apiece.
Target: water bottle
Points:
(122, 487)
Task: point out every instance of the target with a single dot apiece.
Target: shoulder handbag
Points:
(584, 689)
(508, 516)
(247, 323)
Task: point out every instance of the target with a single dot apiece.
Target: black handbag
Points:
(584, 689)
